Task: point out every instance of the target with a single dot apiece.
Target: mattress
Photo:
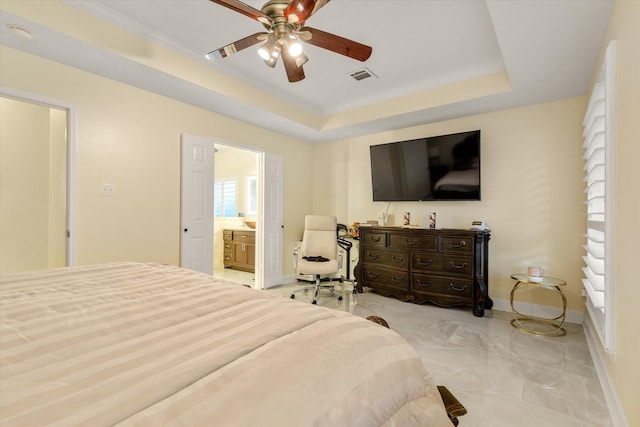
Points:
(132, 344)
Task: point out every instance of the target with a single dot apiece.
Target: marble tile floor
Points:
(503, 377)
(237, 276)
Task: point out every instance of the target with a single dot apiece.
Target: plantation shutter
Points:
(598, 153)
(224, 198)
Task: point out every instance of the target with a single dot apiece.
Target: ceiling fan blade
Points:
(244, 9)
(336, 43)
(299, 11)
(294, 73)
(237, 46)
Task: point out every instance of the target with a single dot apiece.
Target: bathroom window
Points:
(224, 198)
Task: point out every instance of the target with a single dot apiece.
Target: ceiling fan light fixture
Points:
(267, 50)
(264, 54)
(294, 46)
(273, 58)
(271, 62)
(301, 60)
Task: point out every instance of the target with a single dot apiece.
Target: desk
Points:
(556, 323)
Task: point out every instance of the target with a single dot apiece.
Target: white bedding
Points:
(132, 344)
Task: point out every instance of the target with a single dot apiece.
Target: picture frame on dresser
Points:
(445, 267)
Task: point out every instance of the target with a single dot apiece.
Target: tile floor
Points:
(504, 377)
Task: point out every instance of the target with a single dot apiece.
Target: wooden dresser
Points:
(446, 267)
(240, 249)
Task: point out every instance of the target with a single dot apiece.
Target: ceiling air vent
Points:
(363, 73)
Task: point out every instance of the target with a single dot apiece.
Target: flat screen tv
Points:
(445, 167)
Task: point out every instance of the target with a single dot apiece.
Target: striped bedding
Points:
(131, 344)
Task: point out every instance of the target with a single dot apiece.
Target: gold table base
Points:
(520, 319)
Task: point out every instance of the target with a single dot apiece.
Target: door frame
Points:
(260, 229)
(70, 109)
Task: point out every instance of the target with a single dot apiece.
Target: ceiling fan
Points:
(285, 24)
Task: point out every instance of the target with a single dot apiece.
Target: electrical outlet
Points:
(107, 190)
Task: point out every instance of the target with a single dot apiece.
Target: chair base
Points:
(317, 286)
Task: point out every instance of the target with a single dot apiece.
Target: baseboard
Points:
(573, 316)
(611, 397)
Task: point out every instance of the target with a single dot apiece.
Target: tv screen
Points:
(445, 167)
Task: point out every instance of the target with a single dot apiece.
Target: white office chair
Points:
(318, 256)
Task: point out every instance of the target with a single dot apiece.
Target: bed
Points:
(135, 344)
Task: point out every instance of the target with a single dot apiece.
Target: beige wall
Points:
(32, 186)
(532, 190)
(131, 138)
(623, 368)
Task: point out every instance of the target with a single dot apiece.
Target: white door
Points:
(270, 252)
(196, 204)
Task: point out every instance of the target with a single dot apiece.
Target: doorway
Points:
(197, 207)
(36, 171)
(236, 214)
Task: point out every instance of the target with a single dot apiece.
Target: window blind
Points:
(599, 138)
(224, 198)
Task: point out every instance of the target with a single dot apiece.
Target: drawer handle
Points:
(372, 275)
(372, 256)
(457, 245)
(458, 266)
(452, 286)
(426, 285)
(395, 259)
(421, 262)
(406, 241)
(397, 280)
(375, 239)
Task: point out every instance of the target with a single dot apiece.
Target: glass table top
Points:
(545, 280)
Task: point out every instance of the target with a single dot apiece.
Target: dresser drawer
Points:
(244, 236)
(391, 259)
(442, 264)
(424, 283)
(227, 235)
(373, 239)
(373, 276)
(456, 245)
(412, 242)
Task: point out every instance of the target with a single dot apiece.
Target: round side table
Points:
(520, 320)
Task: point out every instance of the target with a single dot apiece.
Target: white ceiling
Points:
(545, 50)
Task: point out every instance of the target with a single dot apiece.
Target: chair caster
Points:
(293, 296)
(314, 302)
(340, 298)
